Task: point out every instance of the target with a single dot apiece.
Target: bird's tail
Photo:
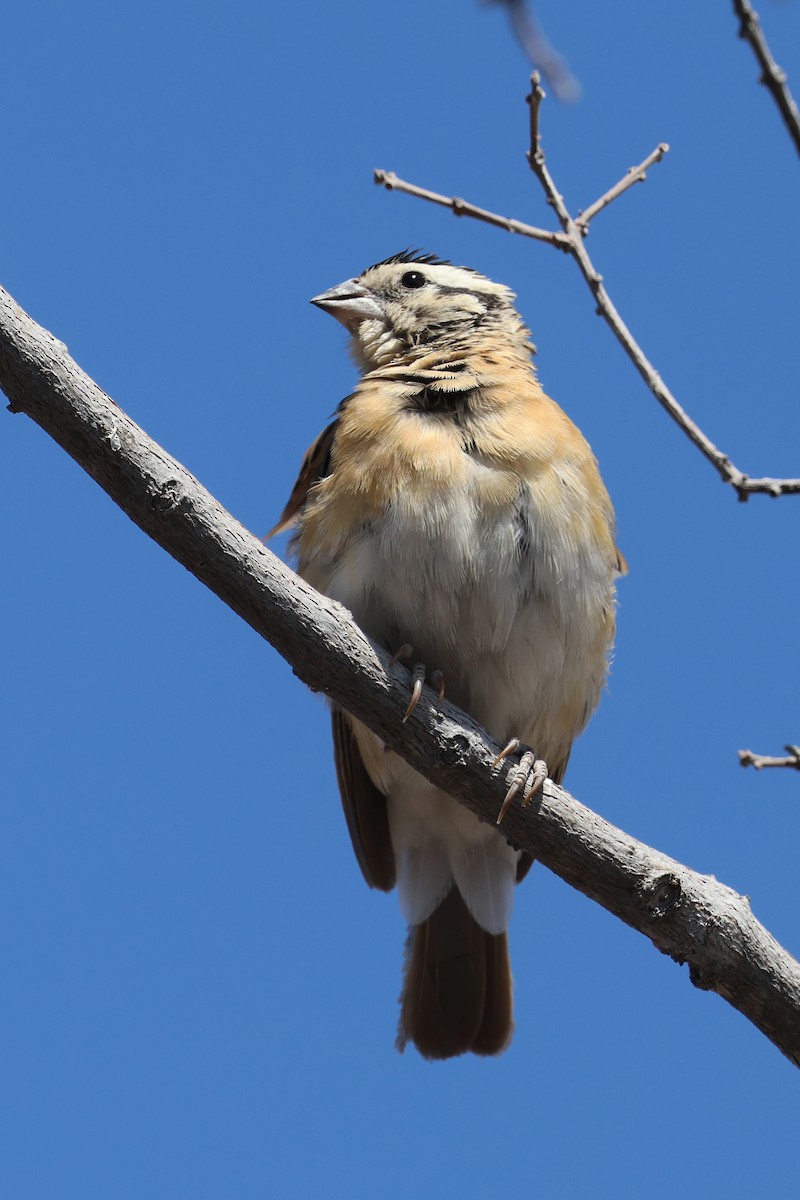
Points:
(457, 991)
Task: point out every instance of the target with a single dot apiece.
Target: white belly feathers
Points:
(460, 586)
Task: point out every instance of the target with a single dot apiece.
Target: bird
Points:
(460, 516)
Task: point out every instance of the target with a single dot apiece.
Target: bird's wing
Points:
(364, 808)
(316, 465)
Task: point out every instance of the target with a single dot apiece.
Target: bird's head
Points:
(413, 303)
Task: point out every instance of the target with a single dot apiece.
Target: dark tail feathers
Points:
(457, 991)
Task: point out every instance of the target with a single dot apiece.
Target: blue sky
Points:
(198, 992)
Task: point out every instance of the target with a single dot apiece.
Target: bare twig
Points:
(571, 240)
(632, 175)
(690, 917)
(772, 76)
(461, 208)
(748, 759)
(742, 483)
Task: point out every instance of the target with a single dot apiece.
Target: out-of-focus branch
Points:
(772, 76)
(543, 57)
(571, 239)
(748, 759)
(691, 917)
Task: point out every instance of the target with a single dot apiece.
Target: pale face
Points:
(408, 302)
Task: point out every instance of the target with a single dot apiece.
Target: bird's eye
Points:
(413, 279)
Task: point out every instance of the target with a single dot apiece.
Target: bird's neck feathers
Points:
(378, 345)
(462, 363)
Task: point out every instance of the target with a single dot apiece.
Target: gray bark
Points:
(691, 917)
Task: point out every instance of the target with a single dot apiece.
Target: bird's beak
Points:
(350, 303)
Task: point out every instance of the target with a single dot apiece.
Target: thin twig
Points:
(742, 483)
(772, 76)
(461, 208)
(632, 175)
(571, 240)
(693, 918)
(748, 759)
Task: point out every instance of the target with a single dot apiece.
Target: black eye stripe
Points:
(413, 279)
(488, 301)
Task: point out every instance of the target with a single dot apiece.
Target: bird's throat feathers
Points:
(377, 344)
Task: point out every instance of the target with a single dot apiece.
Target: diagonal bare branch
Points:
(743, 484)
(690, 917)
(632, 175)
(571, 240)
(772, 76)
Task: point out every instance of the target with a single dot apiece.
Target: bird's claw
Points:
(418, 673)
(527, 778)
(418, 678)
(510, 748)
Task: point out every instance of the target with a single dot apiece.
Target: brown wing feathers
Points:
(364, 808)
(316, 465)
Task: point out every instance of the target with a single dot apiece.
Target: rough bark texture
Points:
(690, 917)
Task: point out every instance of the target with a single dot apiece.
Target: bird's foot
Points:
(526, 779)
(418, 674)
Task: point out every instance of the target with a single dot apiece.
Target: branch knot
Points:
(660, 894)
(169, 497)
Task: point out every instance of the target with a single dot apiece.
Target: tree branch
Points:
(748, 759)
(772, 76)
(632, 175)
(462, 208)
(691, 917)
(571, 240)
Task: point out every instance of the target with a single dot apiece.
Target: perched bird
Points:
(455, 509)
